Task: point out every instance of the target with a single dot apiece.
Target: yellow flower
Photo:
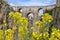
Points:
(46, 17)
(49, 20)
(9, 34)
(18, 14)
(46, 34)
(11, 14)
(21, 29)
(35, 34)
(32, 28)
(39, 23)
(40, 34)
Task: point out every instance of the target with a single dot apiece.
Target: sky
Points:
(32, 2)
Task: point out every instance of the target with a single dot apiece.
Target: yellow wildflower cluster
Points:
(18, 19)
(9, 34)
(39, 23)
(55, 34)
(43, 36)
(22, 32)
(15, 16)
(22, 22)
(35, 35)
(46, 17)
(1, 34)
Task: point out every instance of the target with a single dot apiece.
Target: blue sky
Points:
(31, 2)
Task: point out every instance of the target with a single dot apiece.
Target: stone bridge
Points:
(33, 9)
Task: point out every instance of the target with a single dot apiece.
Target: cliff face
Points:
(57, 3)
(56, 17)
(56, 14)
(4, 10)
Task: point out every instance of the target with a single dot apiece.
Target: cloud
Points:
(32, 2)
